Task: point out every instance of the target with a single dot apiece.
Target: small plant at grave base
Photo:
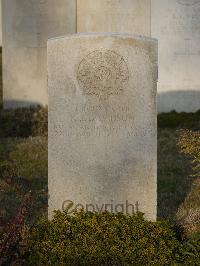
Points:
(101, 239)
(188, 214)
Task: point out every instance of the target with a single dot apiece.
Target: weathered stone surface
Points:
(27, 24)
(0, 25)
(175, 23)
(102, 122)
(125, 16)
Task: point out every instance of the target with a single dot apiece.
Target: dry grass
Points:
(174, 169)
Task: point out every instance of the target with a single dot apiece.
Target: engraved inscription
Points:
(103, 73)
(91, 121)
(126, 129)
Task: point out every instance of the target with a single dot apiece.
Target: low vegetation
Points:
(102, 239)
(23, 199)
(24, 122)
(188, 215)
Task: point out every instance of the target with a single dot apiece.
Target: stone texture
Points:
(0, 25)
(27, 24)
(175, 23)
(125, 16)
(102, 121)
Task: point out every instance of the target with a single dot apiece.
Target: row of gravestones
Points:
(102, 96)
(28, 24)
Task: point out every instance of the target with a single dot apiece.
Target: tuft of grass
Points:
(28, 160)
(188, 214)
(24, 169)
(174, 169)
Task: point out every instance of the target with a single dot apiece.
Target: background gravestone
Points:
(175, 23)
(102, 121)
(0, 25)
(125, 16)
(27, 24)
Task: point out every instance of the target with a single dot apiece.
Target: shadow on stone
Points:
(19, 104)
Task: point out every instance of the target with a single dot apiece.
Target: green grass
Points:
(6, 146)
(23, 168)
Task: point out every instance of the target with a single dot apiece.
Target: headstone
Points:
(125, 16)
(27, 24)
(102, 123)
(0, 25)
(176, 25)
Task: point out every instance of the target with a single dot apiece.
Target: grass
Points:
(174, 169)
(176, 120)
(23, 168)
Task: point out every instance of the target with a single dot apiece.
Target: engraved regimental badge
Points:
(103, 73)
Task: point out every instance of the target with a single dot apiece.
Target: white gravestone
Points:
(27, 24)
(102, 123)
(125, 16)
(176, 24)
(0, 25)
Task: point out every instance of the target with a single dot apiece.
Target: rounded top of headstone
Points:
(106, 34)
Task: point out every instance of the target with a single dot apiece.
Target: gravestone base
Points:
(27, 24)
